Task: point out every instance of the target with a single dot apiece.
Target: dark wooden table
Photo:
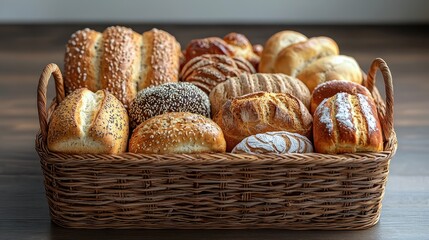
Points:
(25, 50)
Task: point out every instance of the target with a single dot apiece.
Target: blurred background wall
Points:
(217, 11)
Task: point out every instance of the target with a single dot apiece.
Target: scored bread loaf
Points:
(274, 45)
(280, 142)
(336, 67)
(208, 70)
(262, 112)
(294, 58)
(329, 89)
(120, 60)
(346, 123)
(177, 132)
(87, 122)
(250, 83)
(168, 97)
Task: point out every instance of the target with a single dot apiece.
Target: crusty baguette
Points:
(120, 60)
(250, 83)
(87, 122)
(336, 67)
(208, 70)
(346, 123)
(280, 142)
(294, 58)
(274, 45)
(177, 132)
(262, 112)
(329, 89)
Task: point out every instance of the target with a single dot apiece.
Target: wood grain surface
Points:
(25, 50)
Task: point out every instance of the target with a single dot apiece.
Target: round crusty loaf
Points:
(87, 122)
(120, 60)
(208, 70)
(168, 97)
(262, 112)
(274, 45)
(294, 58)
(346, 123)
(280, 142)
(329, 89)
(250, 83)
(336, 67)
(177, 133)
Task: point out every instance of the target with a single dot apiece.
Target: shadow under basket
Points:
(202, 191)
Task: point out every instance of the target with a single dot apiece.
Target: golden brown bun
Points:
(177, 133)
(87, 122)
(168, 97)
(336, 67)
(294, 58)
(120, 60)
(347, 123)
(208, 70)
(274, 45)
(233, 45)
(329, 89)
(250, 83)
(280, 142)
(262, 112)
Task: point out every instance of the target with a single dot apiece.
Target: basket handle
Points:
(386, 115)
(50, 69)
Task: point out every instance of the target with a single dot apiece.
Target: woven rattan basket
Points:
(291, 191)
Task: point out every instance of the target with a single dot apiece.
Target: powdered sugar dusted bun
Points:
(274, 142)
(346, 123)
(177, 132)
(208, 70)
(168, 97)
(329, 89)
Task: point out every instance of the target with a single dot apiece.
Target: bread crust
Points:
(294, 58)
(250, 83)
(274, 45)
(346, 123)
(262, 112)
(177, 132)
(336, 67)
(87, 122)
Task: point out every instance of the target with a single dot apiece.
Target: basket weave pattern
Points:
(290, 191)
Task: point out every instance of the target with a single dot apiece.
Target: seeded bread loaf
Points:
(87, 122)
(168, 97)
(346, 123)
(177, 132)
(250, 83)
(120, 60)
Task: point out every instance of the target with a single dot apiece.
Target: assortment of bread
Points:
(303, 94)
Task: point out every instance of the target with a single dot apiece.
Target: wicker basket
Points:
(291, 191)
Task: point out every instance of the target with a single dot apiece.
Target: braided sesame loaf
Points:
(208, 70)
(120, 60)
(177, 132)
